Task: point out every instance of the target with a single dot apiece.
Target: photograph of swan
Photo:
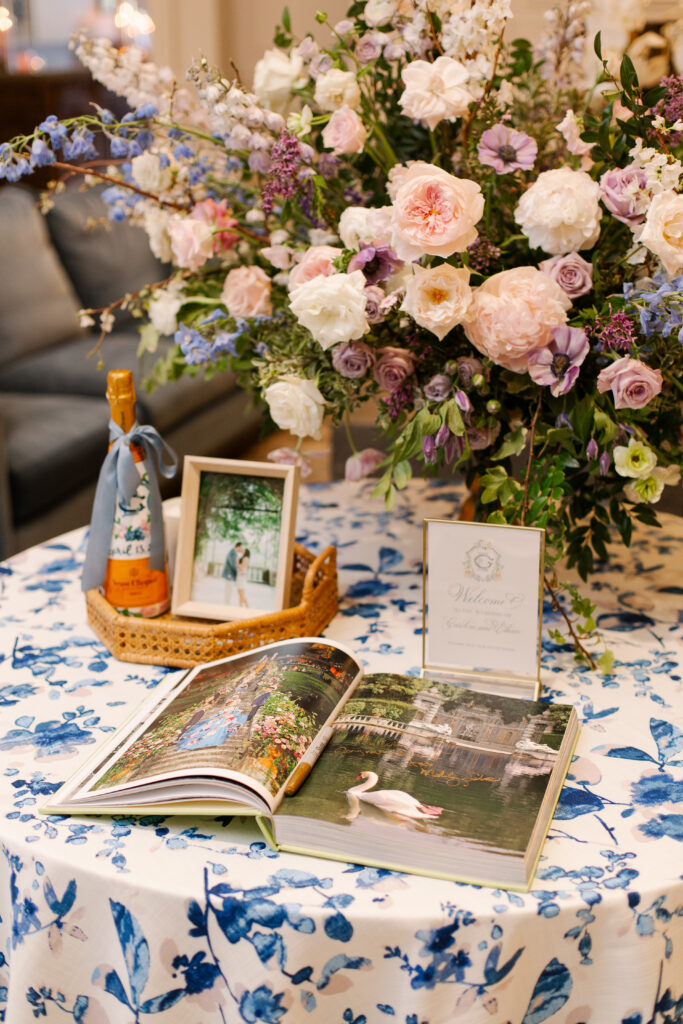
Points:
(392, 801)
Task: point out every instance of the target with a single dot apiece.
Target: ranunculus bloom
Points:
(633, 383)
(220, 220)
(560, 212)
(513, 313)
(557, 365)
(316, 261)
(636, 461)
(434, 90)
(392, 367)
(623, 190)
(362, 463)
(275, 76)
(191, 241)
(296, 404)
(365, 224)
(352, 359)
(332, 308)
(344, 132)
(504, 149)
(438, 298)
(573, 274)
(337, 89)
(663, 230)
(434, 212)
(246, 292)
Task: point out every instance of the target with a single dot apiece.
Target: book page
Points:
(249, 719)
(430, 763)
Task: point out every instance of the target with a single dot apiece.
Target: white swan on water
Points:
(391, 801)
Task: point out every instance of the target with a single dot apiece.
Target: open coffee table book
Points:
(401, 772)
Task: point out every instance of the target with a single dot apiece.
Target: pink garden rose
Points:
(633, 383)
(246, 292)
(344, 132)
(513, 313)
(434, 212)
(220, 220)
(392, 367)
(191, 241)
(316, 261)
(573, 274)
(362, 463)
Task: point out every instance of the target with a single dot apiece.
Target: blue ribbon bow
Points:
(118, 481)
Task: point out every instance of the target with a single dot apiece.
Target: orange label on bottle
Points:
(130, 584)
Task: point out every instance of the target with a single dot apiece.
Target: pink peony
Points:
(344, 132)
(573, 274)
(513, 313)
(362, 463)
(246, 292)
(633, 383)
(220, 220)
(191, 241)
(316, 262)
(434, 212)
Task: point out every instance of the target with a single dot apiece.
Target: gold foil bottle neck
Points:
(121, 396)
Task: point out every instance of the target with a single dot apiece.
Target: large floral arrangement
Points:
(422, 214)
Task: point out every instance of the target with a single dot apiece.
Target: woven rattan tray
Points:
(183, 643)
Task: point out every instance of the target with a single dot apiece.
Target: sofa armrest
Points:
(6, 528)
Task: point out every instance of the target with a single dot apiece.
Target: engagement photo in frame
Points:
(236, 538)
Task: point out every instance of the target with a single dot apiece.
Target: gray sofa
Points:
(53, 413)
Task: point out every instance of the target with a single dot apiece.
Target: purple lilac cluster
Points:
(399, 399)
(285, 171)
(483, 255)
(614, 333)
(660, 302)
(671, 105)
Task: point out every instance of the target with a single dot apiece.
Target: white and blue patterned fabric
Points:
(198, 922)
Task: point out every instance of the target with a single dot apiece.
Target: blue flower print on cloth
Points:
(183, 920)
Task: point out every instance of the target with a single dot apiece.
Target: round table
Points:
(197, 921)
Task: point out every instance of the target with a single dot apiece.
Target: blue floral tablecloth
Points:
(196, 921)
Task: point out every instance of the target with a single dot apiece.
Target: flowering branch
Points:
(88, 169)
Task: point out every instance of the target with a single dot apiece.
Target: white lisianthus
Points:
(148, 174)
(560, 212)
(337, 89)
(164, 305)
(332, 308)
(438, 298)
(156, 225)
(365, 224)
(636, 461)
(434, 91)
(276, 75)
(662, 232)
(295, 404)
(379, 12)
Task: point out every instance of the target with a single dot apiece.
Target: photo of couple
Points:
(235, 574)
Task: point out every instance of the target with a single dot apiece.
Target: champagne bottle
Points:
(130, 585)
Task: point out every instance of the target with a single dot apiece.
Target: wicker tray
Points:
(183, 643)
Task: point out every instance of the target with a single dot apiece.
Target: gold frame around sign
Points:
(473, 673)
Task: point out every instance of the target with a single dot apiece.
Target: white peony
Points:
(365, 224)
(379, 12)
(434, 91)
(337, 89)
(276, 75)
(663, 230)
(438, 298)
(148, 174)
(560, 212)
(296, 404)
(164, 305)
(332, 308)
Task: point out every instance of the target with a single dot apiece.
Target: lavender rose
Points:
(392, 367)
(481, 437)
(573, 274)
(468, 368)
(438, 388)
(352, 359)
(633, 383)
(623, 191)
(369, 47)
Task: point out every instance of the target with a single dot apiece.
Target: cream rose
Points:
(379, 12)
(191, 241)
(434, 91)
(560, 212)
(295, 403)
(337, 89)
(434, 212)
(513, 313)
(365, 224)
(148, 174)
(316, 261)
(663, 230)
(438, 299)
(246, 292)
(332, 308)
(344, 132)
(276, 75)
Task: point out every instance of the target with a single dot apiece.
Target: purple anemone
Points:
(378, 262)
(558, 364)
(505, 150)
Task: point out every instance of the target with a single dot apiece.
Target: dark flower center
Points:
(507, 153)
(560, 364)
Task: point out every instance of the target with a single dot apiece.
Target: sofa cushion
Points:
(66, 369)
(104, 259)
(55, 444)
(38, 307)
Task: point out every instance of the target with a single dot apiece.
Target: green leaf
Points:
(286, 20)
(606, 663)
(628, 75)
(605, 426)
(402, 474)
(488, 495)
(513, 444)
(497, 517)
(582, 417)
(427, 422)
(390, 499)
(597, 45)
(453, 418)
(149, 339)
(383, 485)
